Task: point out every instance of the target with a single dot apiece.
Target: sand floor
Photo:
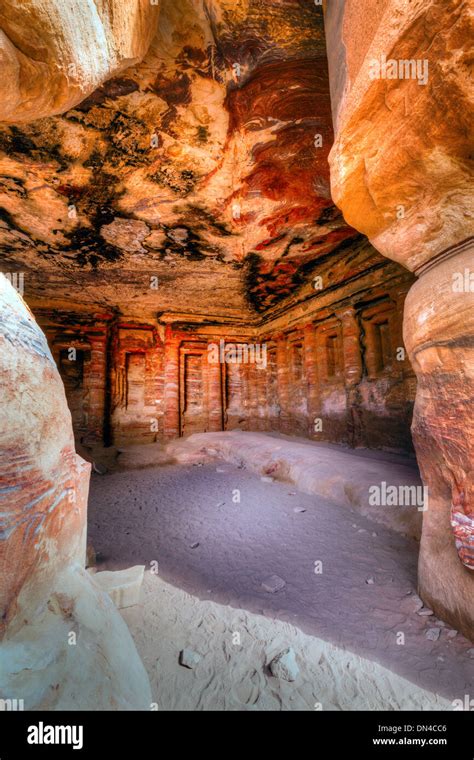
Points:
(236, 648)
(344, 622)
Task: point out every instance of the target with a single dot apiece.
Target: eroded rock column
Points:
(351, 345)
(97, 382)
(46, 596)
(439, 335)
(401, 172)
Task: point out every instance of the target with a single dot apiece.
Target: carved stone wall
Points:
(339, 374)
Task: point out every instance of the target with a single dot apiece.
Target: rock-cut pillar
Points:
(214, 394)
(352, 365)
(283, 381)
(171, 384)
(311, 376)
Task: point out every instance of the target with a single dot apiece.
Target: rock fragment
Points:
(273, 583)
(189, 659)
(284, 665)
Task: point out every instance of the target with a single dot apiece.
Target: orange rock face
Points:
(54, 54)
(401, 166)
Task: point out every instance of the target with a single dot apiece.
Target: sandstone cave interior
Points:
(237, 358)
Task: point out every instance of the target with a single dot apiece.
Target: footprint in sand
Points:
(249, 689)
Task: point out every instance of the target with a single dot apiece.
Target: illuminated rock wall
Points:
(338, 373)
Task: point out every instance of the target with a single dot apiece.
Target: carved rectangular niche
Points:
(330, 351)
(71, 363)
(379, 324)
(193, 390)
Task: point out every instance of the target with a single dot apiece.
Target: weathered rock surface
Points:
(439, 325)
(401, 164)
(199, 165)
(54, 54)
(44, 483)
(193, 188)
(162, 177)
(401, 171)
(62, 643)
(74, 653)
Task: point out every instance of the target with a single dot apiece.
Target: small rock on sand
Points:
(273, 583)
(411, 604)
(284, 665)
(188, 658)
(433, 634)
(425, 612)
(299, 509)
(266, 479)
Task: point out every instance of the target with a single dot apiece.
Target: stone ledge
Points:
(341, 476)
